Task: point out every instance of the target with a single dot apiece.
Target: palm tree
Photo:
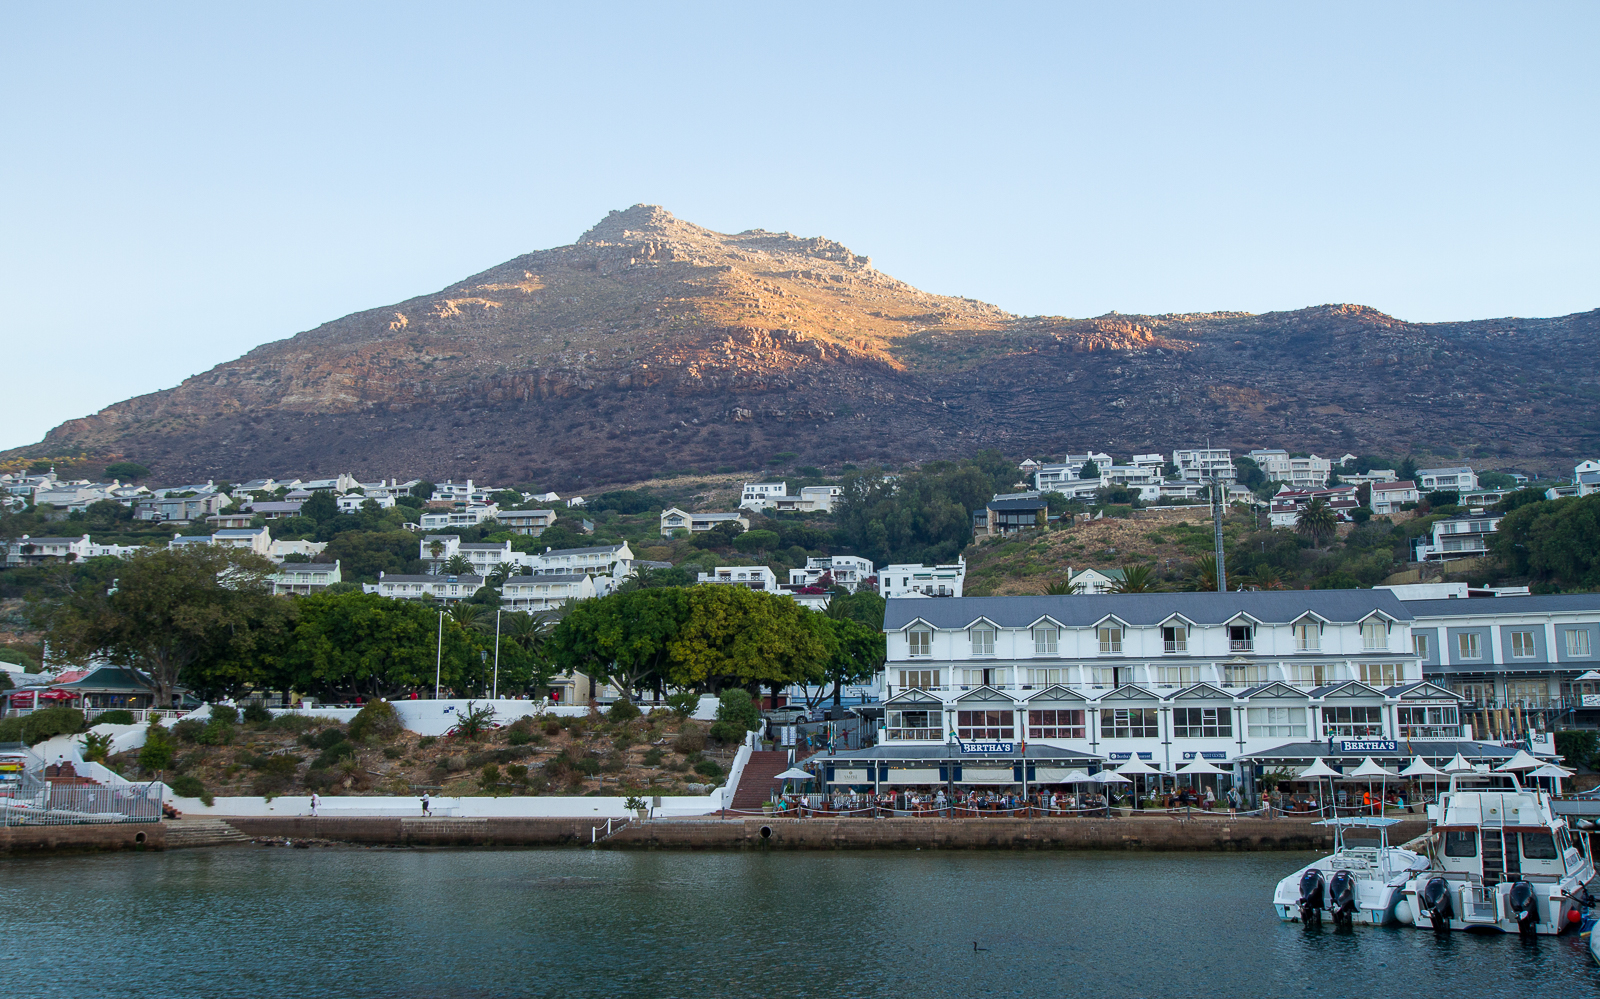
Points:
(436, 549)
(527, 630)
(457, 565)
(1266, 578)
(1063, 589)
(1317, 522)
(467, 615)
(1135, 579)
(1205, 569)
(501, 571)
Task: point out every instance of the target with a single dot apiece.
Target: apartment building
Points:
(1204, 463)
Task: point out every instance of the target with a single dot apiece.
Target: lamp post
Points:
(438, 662)
(483, 657)
(496, 694)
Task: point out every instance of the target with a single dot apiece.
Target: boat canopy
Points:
(1372, 821)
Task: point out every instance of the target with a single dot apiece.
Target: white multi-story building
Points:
(1459, 478)
(1014, 692)
(1287, 504)
(529, 522)
(470, 516)
(908, 580)
(1462, 536)
(1374, 476)
(756, 577)
(257, 540)
(445, 589)
(1204, 463)
(848, 571)
(353, 502)
(439, 549)
(614, 561)
(1387, 497)
(28, 550)
(1586, 477)
(280, 548)
(674, 519)
(756, 494)
(301, 579)
(545, 592)
(1303, 473)
(1058, 478)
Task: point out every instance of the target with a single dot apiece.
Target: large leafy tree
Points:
(858, 654)
(735, 636)
(1556, 542)
(199, 615)
(1135, 579)
(624, 639)
(925, 516)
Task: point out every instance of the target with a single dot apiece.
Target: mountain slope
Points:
(653, 343)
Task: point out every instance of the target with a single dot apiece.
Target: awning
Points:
(1319, 771)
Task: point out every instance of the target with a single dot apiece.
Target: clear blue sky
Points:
(182, 183)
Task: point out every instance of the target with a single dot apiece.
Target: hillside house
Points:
(1204, 463)
(179, 509)
(546, 592)
(1459, 478)
(35, 551)
(1287, 504)
(908, 580)
(1094, 581)
(847, 571)
(526, 522)
(1303, 473)
(470, 516)
(445, 589)
(300, 579)
(353, 502)
(1009, 513)
(755, 495)
(755, 577)
(1388, 496)
(614, 561)
(674, 519)
(275, 509)
(1462, 536)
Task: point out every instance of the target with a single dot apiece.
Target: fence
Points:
(34, 802)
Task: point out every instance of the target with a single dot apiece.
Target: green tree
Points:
(738, 636)
(457, 565)
(1556, 542)
(859, 652)
(127, 471)
(624, 638)
(1205, 574)
(1496, 480)
(1090, 470)
(756, 541)
(320, 507)
(735, 707)
(1317, 522)
(1135, 579)
(193, 615)
(363, 554)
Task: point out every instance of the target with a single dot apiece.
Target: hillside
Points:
(654, 344)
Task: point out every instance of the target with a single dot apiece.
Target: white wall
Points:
(466, 807)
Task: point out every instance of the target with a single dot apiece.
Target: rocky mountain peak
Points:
(644, 224)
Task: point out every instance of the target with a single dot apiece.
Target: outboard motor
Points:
(1342, 893)
(1434, 899)
(1311, 891)
(1523, 901)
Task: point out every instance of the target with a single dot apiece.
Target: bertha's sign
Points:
(1368, 746)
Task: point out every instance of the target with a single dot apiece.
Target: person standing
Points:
(427, 804)
(315, 801)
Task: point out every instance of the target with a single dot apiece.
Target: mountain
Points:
(653, 344)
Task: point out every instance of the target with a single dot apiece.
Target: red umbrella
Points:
(57, 695)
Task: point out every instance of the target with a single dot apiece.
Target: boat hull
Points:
(1487, 908)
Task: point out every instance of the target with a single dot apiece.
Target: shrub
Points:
(552, 727)
(426, 741)
(341, 750)
(614, 765)
(96, 747)
(1577, 746)
(44, 724)
(393, 752)
(217, 732)
(736, 707)
(652, 757)
(518, 773)
(118, 716)
(157, 751)
(291, 723)
(325, 739)
(318, 780)
(225, 713)
(523, 737)
(623, 709)
(690, 740)
(190, 787)
(376, 720)
(188, 730)
(683, 703)
(473, 721)
(279, 764)
(708, 768)
(727, 733)
(490, 776)
(256, 714)
(678, 766)
(269, 785)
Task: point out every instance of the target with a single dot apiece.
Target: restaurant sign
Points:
(988, 748)
(1368, 746)
(1591, 700)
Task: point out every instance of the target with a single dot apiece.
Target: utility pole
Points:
(496, 694)
(1216, 524)
(438, 662)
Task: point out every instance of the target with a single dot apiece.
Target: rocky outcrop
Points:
(652, 343)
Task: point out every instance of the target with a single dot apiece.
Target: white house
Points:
(484, 555)
(1462, 536)
(252, 539)
(1387, 496)
(529, 522)
(1204, 463)
(179, 509)
(445, 589)
(352, 502)
(545, 592)
(848, 571)
(754, 496)
(674, 519)
(1459, 478)
(756, 577)
(280, 548)
(615, 561)
(28, 550)
(1374, 475)
(1303, 473)
(812, 499)
(1054, 478)
(470, 516)
(1586, 477)
(908, 580)
(1289, 502)
(304, 578)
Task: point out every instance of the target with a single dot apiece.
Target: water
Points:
(351, 922)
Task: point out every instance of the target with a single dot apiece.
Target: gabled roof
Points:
(1420, 689)
(914, 695)
(1346, 688)
(1149, 609)
(1201, 690)
(1276, 688)
(988, 694)
(1130, 692)
(1055, 692)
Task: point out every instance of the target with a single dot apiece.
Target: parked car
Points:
(789, 714)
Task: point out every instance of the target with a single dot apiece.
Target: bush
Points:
(291, 723)
(376, 720)
(708, 768)
(118, 716)
(325, 739)
(652, 757)
(341, 750)
(157, 752)
(41, 725)
(256, 714)
(727, 733)
(552, 727)
(96, 747)
(188, 730)
(1577, 747)
(623, 709)
(490, 776)
(217, 732)
(279, 764)
(393, 752)
(690, 740)
(517, 773)
(226, 713)
(736, 707)
(190, 787)
(523, 737)
(318, 780)
(683, 703)
(426, 741)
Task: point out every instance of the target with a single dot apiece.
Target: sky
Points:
(181, 183)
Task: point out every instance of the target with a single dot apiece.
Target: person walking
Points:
(315, 801)
(427, 804)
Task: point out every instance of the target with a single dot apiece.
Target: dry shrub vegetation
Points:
(292, 755)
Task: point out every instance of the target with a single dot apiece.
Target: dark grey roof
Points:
(1404, 749)
(582, 551)
(1271, 607)
(484, 546)
(552, 577)
(1536, 604)
(888, 753)
(1017, 504)
(464, 579)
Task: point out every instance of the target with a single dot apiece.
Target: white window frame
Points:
(920, 641)
(1275, 723)
(1419, 645)
(1178, 642)
(1046, 641)
(1308, 638)
(1469, 645)
(1110, 636)
(1374, 636)
(1524, 645)
(1576, 639)
(982, 637)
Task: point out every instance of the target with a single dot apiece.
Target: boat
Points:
(1361, 881)
(1503, 861)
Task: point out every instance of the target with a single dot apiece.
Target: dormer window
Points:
(1110, 639)
(982, 640)
(1174, 639)
(1374, 635)
(1241, 638)
(1044, 641)
(1307, 638)
(921, 641)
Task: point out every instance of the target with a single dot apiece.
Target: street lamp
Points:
(496, 695)
(438, 662)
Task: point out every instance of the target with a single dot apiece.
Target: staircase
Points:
(185, 833)
(759, 779)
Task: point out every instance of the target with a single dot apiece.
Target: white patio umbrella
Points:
(1197, 767)
(1458, 765)
(1138, 766)
(1420, 768)
(1553, 772)
(1591, 675)
(1321, 771)
(1521, 761)
(1369, 769)
(1109, 777)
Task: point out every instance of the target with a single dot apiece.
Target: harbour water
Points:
(353, 922)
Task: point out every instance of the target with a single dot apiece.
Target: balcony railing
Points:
(909, 734)
(1241, 645)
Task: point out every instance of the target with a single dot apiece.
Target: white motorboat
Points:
(1362, 881)
(1503, 860)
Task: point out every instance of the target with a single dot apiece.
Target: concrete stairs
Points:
(759, 779)
(185, 833)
